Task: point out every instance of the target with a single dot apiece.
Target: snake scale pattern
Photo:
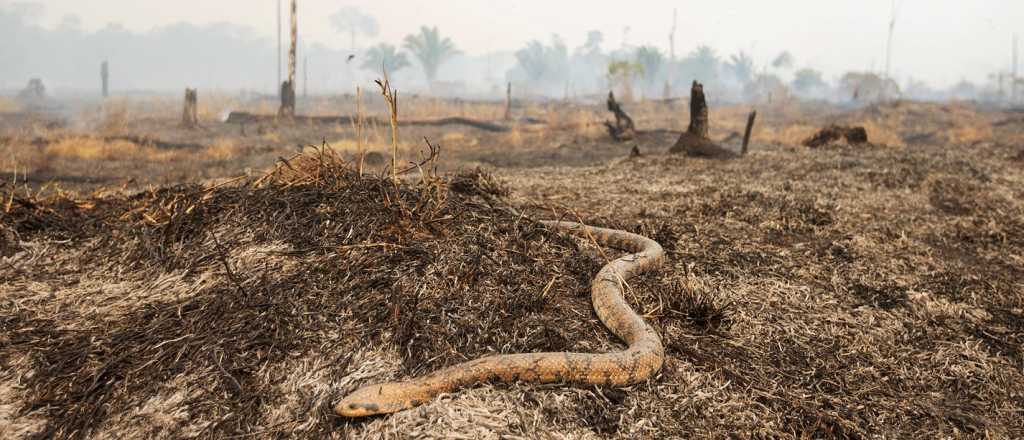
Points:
(642, 359)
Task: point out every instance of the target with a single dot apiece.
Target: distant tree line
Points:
(233, 57)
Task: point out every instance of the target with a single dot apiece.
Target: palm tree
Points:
(430, 49)
(544, 65)
(651, 59)
(353, 21)
(783, 61)
(533, 59)
(386, 56)
(702, 64)
(592, 48)
(622, 72)
(808, 80)
(742, 67)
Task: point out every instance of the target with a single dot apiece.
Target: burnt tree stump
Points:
(695, 141)
(698, 112)
(287, 109)
(748, 132)
(623, 129)
(190, 113)
(508, 102)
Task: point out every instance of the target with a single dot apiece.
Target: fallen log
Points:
(837, 133)
(249, 118)
(39, 141)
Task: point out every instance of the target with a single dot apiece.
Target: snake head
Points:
(377, 399)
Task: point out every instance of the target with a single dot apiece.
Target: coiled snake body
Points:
(642, 359)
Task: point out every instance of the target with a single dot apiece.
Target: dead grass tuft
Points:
(692, 301)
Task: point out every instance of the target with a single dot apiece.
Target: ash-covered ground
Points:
(164, 283)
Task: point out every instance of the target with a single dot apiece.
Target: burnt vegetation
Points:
(809, 293)
(345, 263)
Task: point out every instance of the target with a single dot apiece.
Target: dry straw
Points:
(391, 98)
(360, 139)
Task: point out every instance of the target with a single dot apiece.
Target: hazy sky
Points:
(941, 41)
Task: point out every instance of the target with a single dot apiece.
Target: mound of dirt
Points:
(696, 146)
(251, 307)
(836, 133)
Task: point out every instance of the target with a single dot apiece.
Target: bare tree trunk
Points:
(1013, 69)
(293, 49)
(888, 52)
(288, 87)
(105, 77)
(278, 84)
(747, 133)
(672, 49)
(508, 102)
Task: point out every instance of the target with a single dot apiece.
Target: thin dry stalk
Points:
(391, 97)
(361, 148)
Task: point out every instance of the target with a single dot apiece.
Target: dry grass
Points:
(93, 148)
(873, 292)
(27, 156)
(214, 106)
(115, 117)
(16, 159)
(222, 149)
(9, 105)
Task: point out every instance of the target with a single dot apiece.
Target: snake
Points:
(642, 359)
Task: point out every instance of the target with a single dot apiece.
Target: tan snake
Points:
(642, 359)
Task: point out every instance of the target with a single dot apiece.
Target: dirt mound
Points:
(835, 133)
(696, 146)
(251, 306)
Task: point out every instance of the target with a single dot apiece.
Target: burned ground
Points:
(844, 292)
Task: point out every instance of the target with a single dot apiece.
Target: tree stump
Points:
(190, 114)
(698, 112)
(287, 109)
(748, 132)
(623, 129)
(695, 142)
(508, 102)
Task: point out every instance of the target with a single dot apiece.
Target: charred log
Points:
(837, 133)
(623, 128)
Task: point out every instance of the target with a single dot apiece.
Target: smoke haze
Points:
(230, 44)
